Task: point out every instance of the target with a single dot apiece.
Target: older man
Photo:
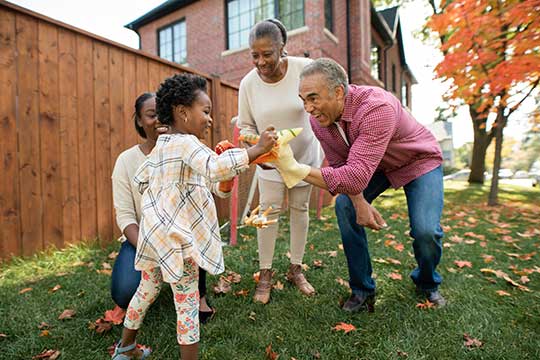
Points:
(372, 143)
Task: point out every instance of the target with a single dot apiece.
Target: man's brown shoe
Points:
(360, 303)
(262, 291)
(295, 276)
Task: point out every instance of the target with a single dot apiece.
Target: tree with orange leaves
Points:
(491, 58)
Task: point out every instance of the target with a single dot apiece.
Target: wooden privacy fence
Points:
(66, 104)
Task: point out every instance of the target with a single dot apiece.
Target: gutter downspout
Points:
(348, 23)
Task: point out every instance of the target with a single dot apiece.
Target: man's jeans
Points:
(425, 204)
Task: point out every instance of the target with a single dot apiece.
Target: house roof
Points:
(166, 8)
(392, 20)
(381, 26)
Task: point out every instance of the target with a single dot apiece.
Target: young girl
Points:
(179, 229)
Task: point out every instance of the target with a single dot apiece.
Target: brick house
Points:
(212, 36)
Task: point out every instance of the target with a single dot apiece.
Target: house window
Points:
(173, 43)
(404, 92)
(375, 61)
(243, 14)
(329, 15)
(394, 78)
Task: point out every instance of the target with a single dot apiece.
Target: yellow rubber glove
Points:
(291, 171)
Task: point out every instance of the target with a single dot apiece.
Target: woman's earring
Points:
(185, 119)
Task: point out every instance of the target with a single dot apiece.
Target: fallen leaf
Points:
(43, 325)
(488, 258)
(402, 353)
(233, 277)
(344, 327)
(278, 285)
(104, 271)
(447, 245)
(451, 270)
(100, 326)
(456, 239)
(502, 275)
(25, 290)
(256, 277)
(305, 267)
(106, 266)
(524, 257)
(318, 263)
(470, 242)
(390, 236)
(67, 314)
(395, 276)
(223, 286)
(470, 342)
(476, 236)
(380, 261)
(332, 253)
(393, 261)
(288, 254)
(502, 293)
(115, 316)
(243, 292)
(463, 263)
(425, 305)
(311, 247)
(316, 355)
(252, 316)
(113, 255)
(44, 333)
(483, 244)
(48, 355)
(388, 243)
(399, 247)
(3, 336)
(340, 246)
(524, 279)
(78, 263)
(271, 355)
(55, 288)
(342, 282)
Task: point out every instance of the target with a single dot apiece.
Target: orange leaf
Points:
(66, 314)
(278, 285)
(395, 276)
(488, 258)
(243, 292)
(271, 355)
(100, 326)
(470, 342)
(425, 305)
(223, 286)
(25, 290)
(318, 263)
(399, 247)
(48, 355)
(44, 333)
(115, 316)
(344, 327)
(234, 277)
(340, 281)
(55, 288)
(463, 263)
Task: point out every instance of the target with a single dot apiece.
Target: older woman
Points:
(269, 96)
(127, 199)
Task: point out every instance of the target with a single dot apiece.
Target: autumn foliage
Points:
(490, 48)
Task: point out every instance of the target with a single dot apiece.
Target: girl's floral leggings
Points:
(186, 301)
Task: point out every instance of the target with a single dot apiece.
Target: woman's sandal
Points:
(206, 316)
(119, 352)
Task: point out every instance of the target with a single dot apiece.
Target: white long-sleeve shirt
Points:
(261, 104)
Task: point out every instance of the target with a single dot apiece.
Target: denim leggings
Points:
(425, 204)
(125, 279)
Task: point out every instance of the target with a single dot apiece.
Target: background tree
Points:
(491, 58)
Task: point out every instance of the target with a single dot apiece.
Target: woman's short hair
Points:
(333, 72)
(137, 114)
(272, 28)
(180, 89)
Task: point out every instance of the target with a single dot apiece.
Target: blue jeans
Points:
(425, 204)
(125, 279)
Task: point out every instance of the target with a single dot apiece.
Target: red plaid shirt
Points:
(383, 136)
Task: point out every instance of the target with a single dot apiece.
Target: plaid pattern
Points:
(383, 136)
(179, 218)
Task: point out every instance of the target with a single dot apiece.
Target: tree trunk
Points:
(494, 189)
(480, 145)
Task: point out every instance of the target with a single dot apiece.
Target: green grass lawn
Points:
(505, 238)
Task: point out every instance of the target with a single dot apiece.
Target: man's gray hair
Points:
(333, 72)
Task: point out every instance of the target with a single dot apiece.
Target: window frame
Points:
(276, 8)
(171, 26)
(330, 4)
(374, 44)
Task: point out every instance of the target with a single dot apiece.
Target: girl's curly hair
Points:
(180, 89)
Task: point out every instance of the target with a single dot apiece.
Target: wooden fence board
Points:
(102, 140)
(87, 165)
(116, 86)
(49, 123)
(130, 94)
(10, 241)
(29, 148)
(67, 81)
(142, 75)
(154, 76)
